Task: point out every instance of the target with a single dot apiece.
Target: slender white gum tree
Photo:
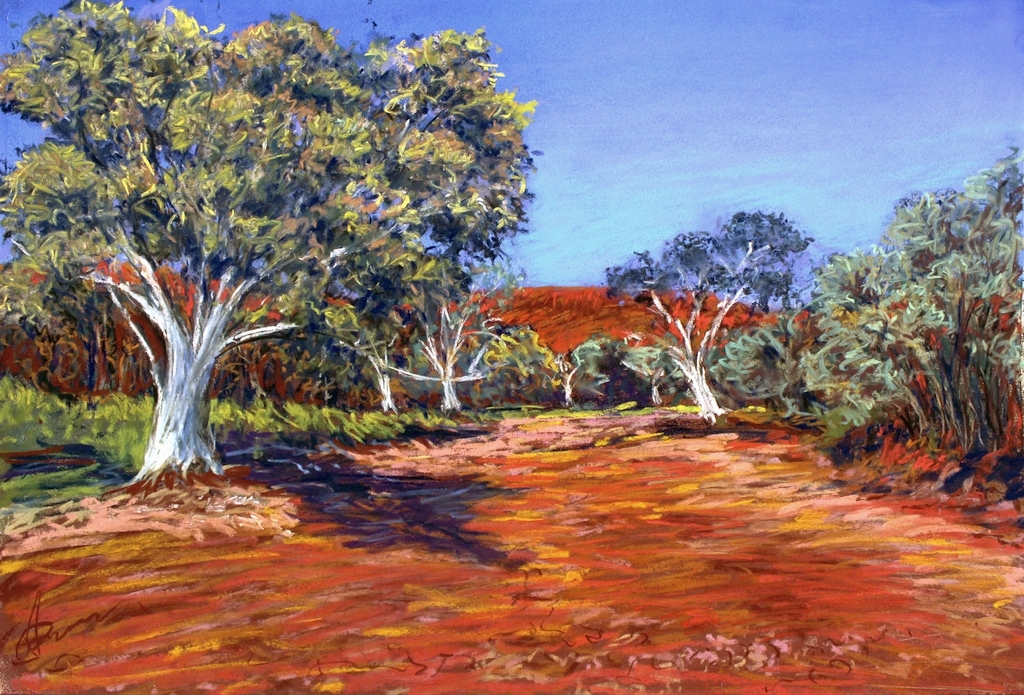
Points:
(565, 373)
(381, 366)
(455, 307)
(693, 361)
(216, 189)
(378, 354)
(751, 258)
(581, 364)
(446, 345)
(371, 334)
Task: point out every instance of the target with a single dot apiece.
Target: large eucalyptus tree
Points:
(704, 276)
(217, 188)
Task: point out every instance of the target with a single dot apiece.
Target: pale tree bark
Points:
(181, 441)
(696, 378)
(567, 375)
(382, 376)
(443, 348)
(653, 376)
(691, 360)
(450, 402)
(376, 353)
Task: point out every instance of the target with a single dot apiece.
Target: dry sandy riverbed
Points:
(581, 555)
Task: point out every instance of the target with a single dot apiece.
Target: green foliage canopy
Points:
(216, 188)
(925, 327)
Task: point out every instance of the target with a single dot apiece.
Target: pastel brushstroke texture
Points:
(663, 116)
(459, 347)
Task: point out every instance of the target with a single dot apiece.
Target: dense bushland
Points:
(917, 340)
(172, 277)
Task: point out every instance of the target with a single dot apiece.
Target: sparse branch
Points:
(431, 349)
(636, 368)
(413, 375)
(18, 245)
(158, 305)
(671, 320)
(151, 311)
(697, 306)
(475, 363)
(716, 323)
(472, 376)
(254, 334)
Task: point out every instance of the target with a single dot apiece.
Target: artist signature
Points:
(36, 633)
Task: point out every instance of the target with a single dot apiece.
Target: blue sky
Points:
(658, 116)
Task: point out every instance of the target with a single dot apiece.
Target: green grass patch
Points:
(54, 487)
(264, 416)
(117, 427)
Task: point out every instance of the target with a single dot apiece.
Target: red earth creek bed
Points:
(573, 555)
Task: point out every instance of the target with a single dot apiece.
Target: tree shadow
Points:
(57, 474)
(381, 511)
(312, 441)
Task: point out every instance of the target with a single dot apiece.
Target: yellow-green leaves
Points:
(53, 184)
(276, 158)
(187, 26)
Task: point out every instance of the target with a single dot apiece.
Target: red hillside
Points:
(566, 317)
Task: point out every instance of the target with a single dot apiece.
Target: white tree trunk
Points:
(387, 401)
(566, 374)
(181, 441)
(697, 380)
(380, 369)
(442, 347)
(450, 402)
(692, 363)
(709, 407)
(655, 393)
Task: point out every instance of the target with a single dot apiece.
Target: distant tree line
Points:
(919, 335)
(278, 216)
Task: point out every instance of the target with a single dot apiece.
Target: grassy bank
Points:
(117, 426)
(104, 438)
(113, 429)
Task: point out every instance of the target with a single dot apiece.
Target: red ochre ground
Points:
(585, 555)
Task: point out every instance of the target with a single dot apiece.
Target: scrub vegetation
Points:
(276, 416)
